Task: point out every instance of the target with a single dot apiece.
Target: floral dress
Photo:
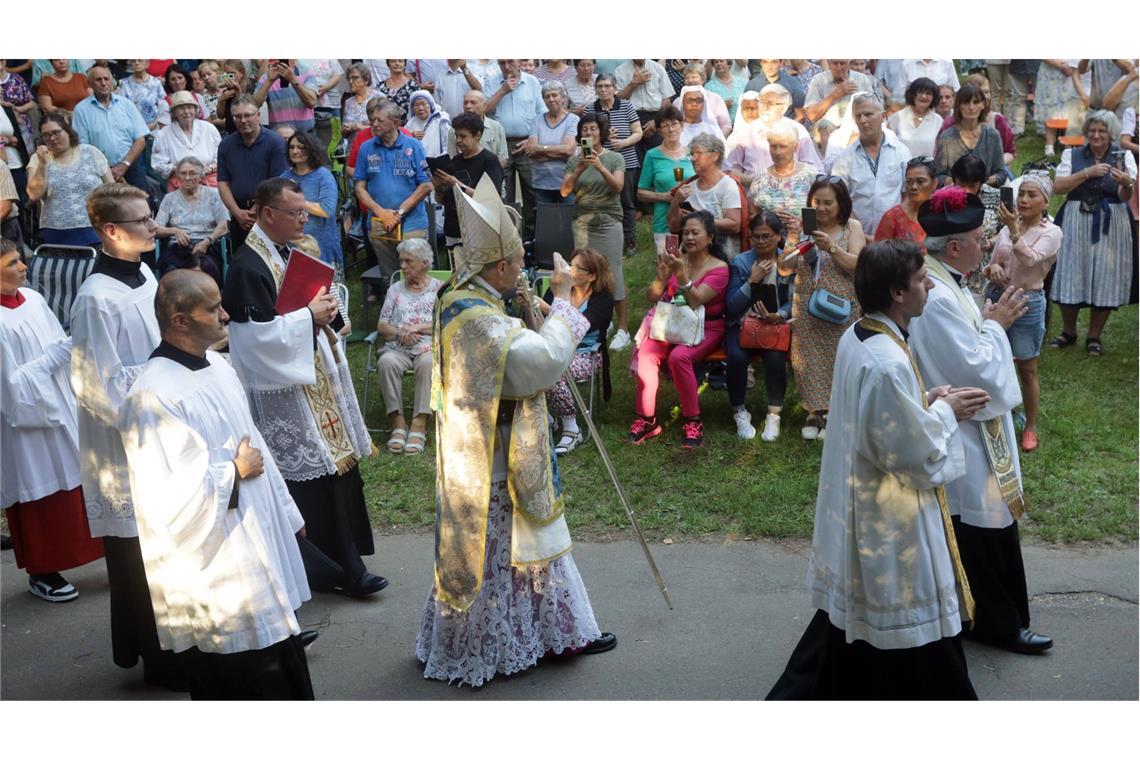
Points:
(769, 192)
(814, 342)
(15, 90)
(401, 97)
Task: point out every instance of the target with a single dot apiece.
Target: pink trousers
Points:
(681, 361)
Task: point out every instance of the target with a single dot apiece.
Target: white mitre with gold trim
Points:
(488, 228)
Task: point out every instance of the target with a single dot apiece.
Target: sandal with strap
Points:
(1064, 340)
(397, 440)
(415, 443)
(568, 442)
(1093, 347)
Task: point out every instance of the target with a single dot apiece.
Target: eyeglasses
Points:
(831, 178)
(50, 134)
(148, 219)
(297, 213)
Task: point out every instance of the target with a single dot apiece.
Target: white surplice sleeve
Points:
(536, 360)
(274, 354)
(29, 396)
(950, 350)
(95, 358)
(178, 492)
(921, 447)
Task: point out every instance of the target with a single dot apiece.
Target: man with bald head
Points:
(215, 519)
(114, 125)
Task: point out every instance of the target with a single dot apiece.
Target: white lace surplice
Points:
(521, 612)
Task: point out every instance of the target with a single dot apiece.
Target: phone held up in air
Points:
(807, 218)
(587, 147)
(1007, 197)
(672, 245)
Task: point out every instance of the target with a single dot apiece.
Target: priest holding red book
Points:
(295, 371)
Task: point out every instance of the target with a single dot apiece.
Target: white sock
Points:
(570, 425)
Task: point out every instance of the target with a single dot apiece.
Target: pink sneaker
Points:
(642, 430)
(692, 435)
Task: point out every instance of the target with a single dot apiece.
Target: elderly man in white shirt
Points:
(829, 92)
(874, 166)
(453, 83)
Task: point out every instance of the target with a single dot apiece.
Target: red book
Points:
(304, 276)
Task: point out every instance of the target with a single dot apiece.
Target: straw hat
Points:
(182, 98)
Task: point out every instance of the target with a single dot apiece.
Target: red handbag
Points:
(756, 334)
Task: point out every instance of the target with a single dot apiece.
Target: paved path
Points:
(740, 607)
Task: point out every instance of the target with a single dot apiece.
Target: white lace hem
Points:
(520, 615)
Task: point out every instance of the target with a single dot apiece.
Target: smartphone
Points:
(807, 217)
(1007, 197)
(672, 245)
(227, 77)
(587, 147)
(1118, 159)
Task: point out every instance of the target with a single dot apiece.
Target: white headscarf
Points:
(435, 128)
(707, 115)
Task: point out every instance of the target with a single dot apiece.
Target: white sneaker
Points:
(810, 432)
(620, 341)
(771, 428)
(743, 420)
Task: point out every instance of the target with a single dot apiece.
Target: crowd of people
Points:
(800, 212)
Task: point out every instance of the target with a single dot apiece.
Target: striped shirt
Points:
(621, 116)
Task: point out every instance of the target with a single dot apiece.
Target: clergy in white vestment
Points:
(506, 590)
(957, 343)
(216, 521)
(113, 331)
(294, 368)
(39, 438)
(885, 576)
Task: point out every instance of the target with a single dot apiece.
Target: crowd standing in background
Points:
(762, 183)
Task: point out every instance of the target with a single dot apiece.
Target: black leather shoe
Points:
(603, 643)
(1028, 642)
(172, 679)
(308, 637)
(365, 585)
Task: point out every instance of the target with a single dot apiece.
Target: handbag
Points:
(756, 334)
(680, 325)
(829, 307)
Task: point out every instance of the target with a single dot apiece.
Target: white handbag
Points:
(680, 325)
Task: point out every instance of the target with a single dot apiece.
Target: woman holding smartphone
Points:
(829, 265)
(664, 169)
(595, 176)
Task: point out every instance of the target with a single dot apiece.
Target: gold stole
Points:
(320, 395)
(875, 325)
(471, 339)
(998, 449)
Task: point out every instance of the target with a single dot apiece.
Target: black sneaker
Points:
(52, 587)
(692, 435)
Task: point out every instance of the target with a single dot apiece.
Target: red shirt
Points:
(896, 225)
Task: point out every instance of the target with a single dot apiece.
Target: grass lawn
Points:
(1081, 483)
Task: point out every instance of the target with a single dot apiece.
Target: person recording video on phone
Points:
(595, 176)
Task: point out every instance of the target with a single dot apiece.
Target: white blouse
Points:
(921, 138)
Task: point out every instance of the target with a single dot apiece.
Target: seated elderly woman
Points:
(196, 219)
(715, 112)
(591, 292)
(759, 290)
(692, 101)
(710, 189)
(186, 136)
(405, 325)
(783, 186)
(698, 277)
